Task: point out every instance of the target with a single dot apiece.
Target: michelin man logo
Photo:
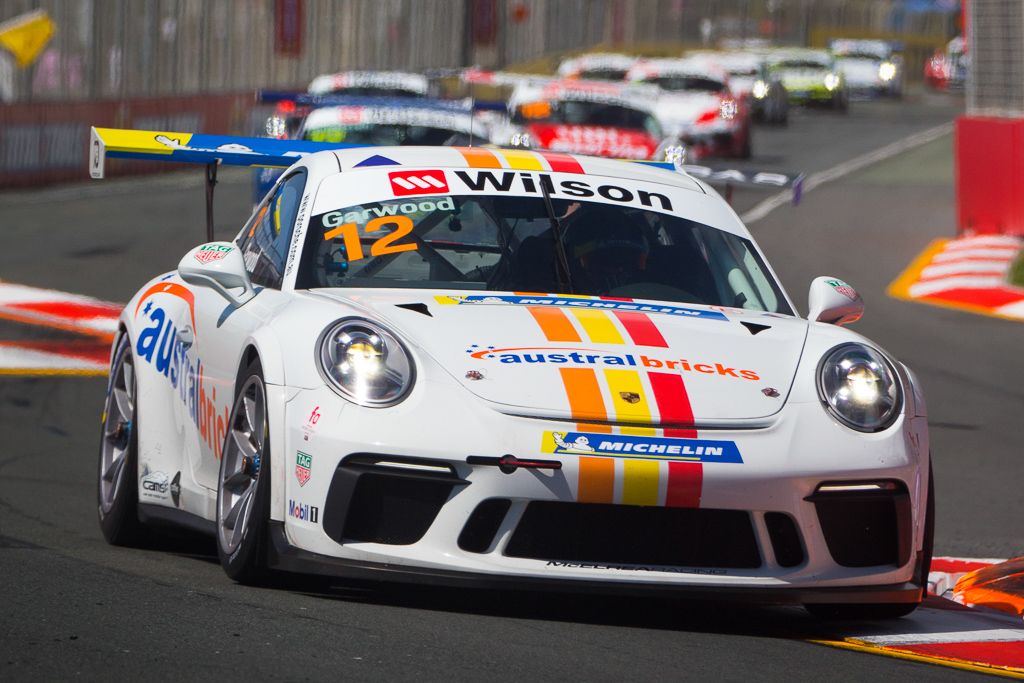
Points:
(581, 444)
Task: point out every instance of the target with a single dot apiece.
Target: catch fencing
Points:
(191, 58)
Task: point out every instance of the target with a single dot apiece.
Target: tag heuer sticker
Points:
(212, 252)
(303, 465)
(844, 289)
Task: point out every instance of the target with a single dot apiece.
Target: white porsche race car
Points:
(469, 366)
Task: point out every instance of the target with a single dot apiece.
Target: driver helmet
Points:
(607, 247)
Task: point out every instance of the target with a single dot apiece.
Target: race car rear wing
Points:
(214, 150)
(194, 148)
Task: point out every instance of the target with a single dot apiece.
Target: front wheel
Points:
(117, 491)
(243, 487)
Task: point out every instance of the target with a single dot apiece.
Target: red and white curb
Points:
(944, 632)
(968, 273)
(94, 319)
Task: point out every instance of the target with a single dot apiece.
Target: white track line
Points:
(828, 175)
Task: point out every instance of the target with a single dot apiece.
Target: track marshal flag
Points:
(27, 35)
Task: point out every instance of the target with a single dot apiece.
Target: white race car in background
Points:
(488, 367)
(597, 66)
(871, 67)
(697, 105)
(751, 80)
(615, 120)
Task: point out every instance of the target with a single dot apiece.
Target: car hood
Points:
(685, 108)
(605, 141)
(860, 70)
(803, 79)
(643, 362)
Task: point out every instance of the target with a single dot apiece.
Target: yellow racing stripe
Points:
(598, 325)
(522, 160)
(640, 482)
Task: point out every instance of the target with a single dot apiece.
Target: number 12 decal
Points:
(385, 245)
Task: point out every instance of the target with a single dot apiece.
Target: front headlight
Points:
(859, 387)
(365, 363)
(831, 81)
(760, 90)
(886, 71)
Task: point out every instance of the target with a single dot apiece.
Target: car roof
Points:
(324, 117)
(399, 80)
(697, 65)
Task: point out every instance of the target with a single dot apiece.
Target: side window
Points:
(265, 239)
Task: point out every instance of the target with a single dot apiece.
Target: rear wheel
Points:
(117, 491)
(243, 487)
(890, 610)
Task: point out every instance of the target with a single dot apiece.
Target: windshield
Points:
(688, 83)
(495, 243)
(386, 134)
(802, 64)
(374, 91)
(860, 55)
(574, 112)
(606, 74)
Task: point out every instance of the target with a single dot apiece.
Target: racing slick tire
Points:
(889, 610)
(117, 489)
(243, 484)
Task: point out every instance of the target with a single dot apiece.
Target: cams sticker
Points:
(212, 252)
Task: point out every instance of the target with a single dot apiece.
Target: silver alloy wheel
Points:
(118, 422)
(240, 467)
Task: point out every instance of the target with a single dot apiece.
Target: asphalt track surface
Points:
(74, 607)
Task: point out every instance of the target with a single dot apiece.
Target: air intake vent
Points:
(635, 535)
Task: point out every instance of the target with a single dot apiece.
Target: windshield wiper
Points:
(562, 267)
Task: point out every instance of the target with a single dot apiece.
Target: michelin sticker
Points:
(642, 447)
(578, 302)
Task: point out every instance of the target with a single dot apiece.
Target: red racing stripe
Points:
(562, 163)
(685, 479)
(641, 328)
(685, 483)
(673, 403)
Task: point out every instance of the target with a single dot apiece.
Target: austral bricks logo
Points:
(591, 357)
(404, 183)
(303, 467)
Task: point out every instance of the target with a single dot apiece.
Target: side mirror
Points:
(218, 265)
(833, 301)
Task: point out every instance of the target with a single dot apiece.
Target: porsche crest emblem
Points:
(629, 396)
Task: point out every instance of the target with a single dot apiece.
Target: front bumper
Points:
(283, 556)
(783, 463)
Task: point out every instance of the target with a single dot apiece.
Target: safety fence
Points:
(45, 143)
(113, 49)
(124, 62)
